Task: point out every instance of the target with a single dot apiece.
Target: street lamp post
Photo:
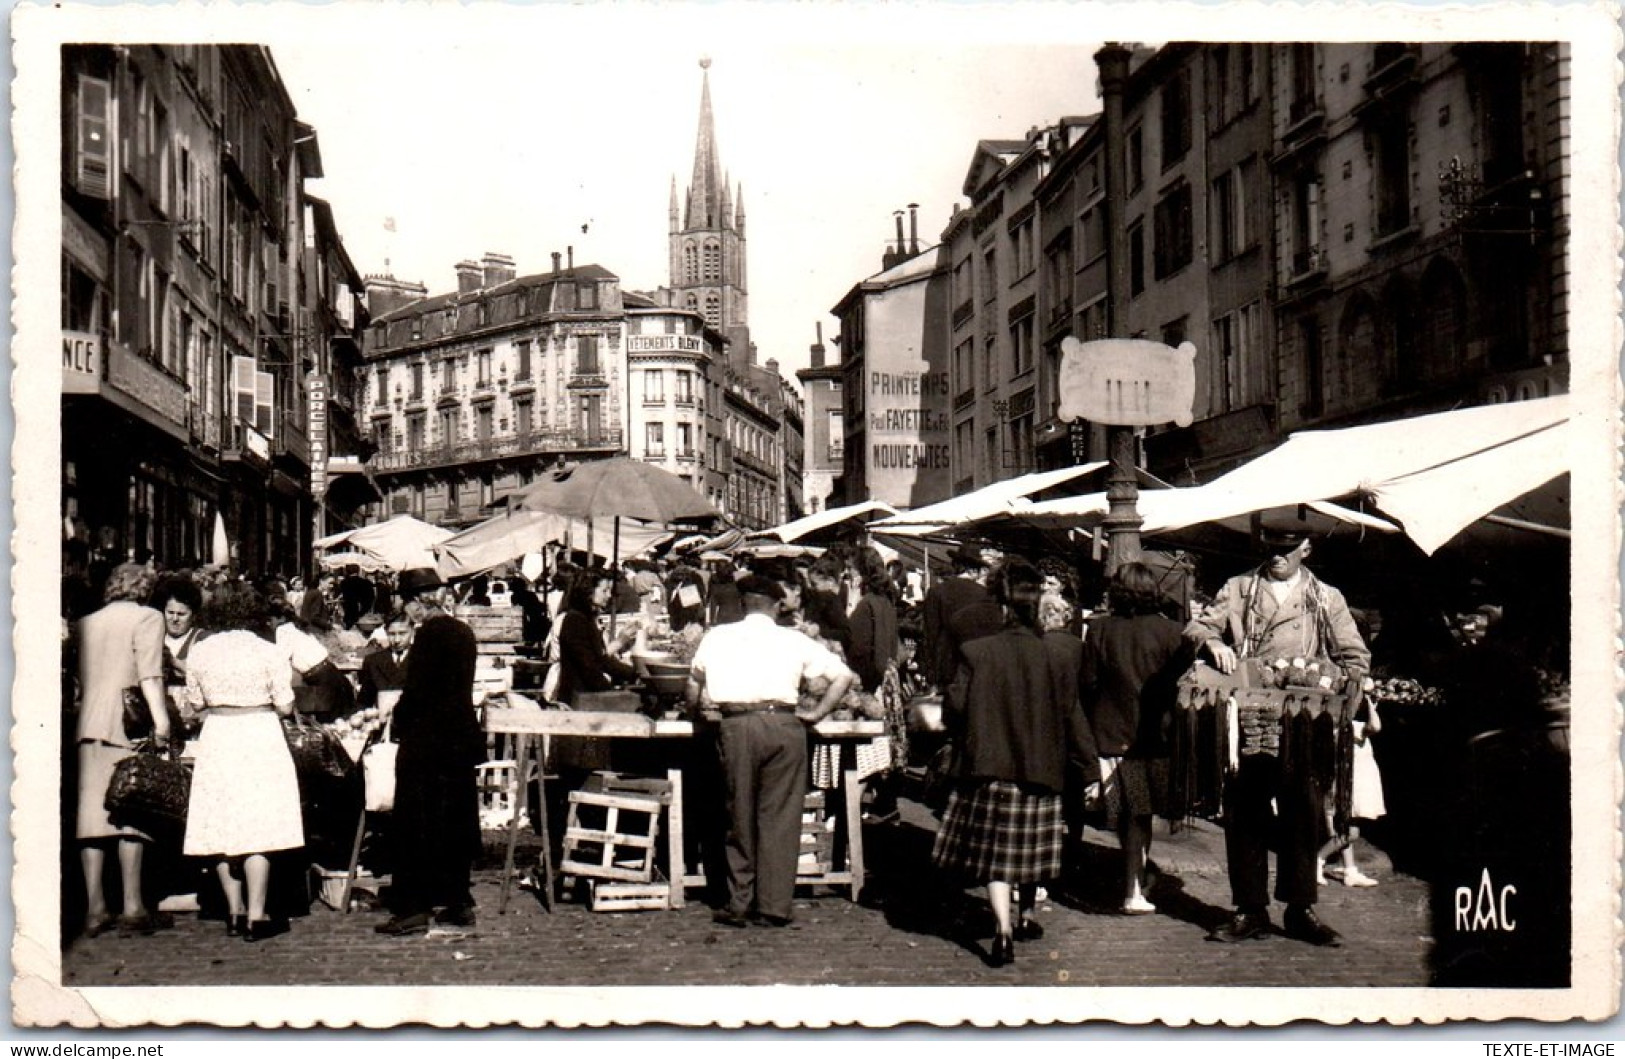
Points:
(1122, 522)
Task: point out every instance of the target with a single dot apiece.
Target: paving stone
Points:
(908, 931)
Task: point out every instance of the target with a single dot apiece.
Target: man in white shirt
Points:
(752, 671)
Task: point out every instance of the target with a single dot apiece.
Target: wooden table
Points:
(523, 719)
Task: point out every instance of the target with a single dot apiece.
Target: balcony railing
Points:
(588, 376)
(534, 443)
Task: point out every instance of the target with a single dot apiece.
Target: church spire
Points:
(704, 191)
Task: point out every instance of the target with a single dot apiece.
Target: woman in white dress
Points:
(245, 794)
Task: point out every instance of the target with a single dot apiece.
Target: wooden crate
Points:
(493, 624)
(630, 897)
(817, 838)
(613, 834)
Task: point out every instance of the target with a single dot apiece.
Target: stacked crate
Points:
(610, 839)
(817, 853)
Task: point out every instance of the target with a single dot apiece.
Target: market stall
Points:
(531, 725)
(398, 544)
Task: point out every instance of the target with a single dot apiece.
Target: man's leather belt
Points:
(744, 709)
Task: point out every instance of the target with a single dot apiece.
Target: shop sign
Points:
(1127, 382)
(144, 381)
(316, 431)
(664, 344)
(81, 362)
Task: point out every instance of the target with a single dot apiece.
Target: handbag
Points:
(317, 752)
(378, 774)
(137, 718)
(324, 689)
(149, 790)
(941, 773)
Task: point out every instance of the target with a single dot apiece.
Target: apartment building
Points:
(204, 296)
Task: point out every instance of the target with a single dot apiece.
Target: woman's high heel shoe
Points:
(1003, 951)
(236, 926)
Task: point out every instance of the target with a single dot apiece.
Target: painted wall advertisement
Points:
(906, 433)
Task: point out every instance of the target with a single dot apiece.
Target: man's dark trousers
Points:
(1247, 828)
(764, 762)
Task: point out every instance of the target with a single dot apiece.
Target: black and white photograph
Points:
(806, 515)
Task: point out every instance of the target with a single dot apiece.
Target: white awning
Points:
(791, 532)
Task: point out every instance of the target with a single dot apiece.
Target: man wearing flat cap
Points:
(1277, 611)
(752, 671)
(436, 819)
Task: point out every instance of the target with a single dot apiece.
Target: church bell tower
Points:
(707, 237)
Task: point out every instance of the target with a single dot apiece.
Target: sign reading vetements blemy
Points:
(1127, 382)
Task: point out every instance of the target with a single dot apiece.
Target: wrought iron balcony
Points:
(539, 442)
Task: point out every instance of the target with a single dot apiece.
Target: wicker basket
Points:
(330, 882)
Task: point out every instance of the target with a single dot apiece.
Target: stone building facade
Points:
(1345, 231)
(205, 297)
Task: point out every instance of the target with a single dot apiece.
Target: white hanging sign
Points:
(1127, 382)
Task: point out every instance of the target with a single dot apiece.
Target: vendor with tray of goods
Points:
(1278, 611)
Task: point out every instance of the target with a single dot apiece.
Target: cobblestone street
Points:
(908, 931)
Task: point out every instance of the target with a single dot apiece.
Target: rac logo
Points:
(1485, 908)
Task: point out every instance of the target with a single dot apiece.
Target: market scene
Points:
(1083, 613)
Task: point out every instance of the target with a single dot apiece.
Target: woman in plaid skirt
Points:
(1015, 726)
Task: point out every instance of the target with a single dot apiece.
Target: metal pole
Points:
(1122, 522)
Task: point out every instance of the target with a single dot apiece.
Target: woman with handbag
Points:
(245, 793)
(121, 679)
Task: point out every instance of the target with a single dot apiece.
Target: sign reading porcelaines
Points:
(1128, 382)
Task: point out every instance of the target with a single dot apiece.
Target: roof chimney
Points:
(556, 256)
(818, 346)
(913, 229)
(469, 276)
(570, 258)
(498, 269)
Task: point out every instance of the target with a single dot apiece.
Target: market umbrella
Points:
(363, 560)
(516, 534)
(826, 523)
(619, 487)
(1163, 511)
(1435, 474)
(402, 543)
(991, 499)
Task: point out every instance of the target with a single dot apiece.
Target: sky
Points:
(509, 129)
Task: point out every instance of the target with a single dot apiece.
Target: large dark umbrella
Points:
(616, 488)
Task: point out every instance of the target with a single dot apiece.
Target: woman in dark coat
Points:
(1132, 661)
(585, 664)
(440, 744)
(1015, 727)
